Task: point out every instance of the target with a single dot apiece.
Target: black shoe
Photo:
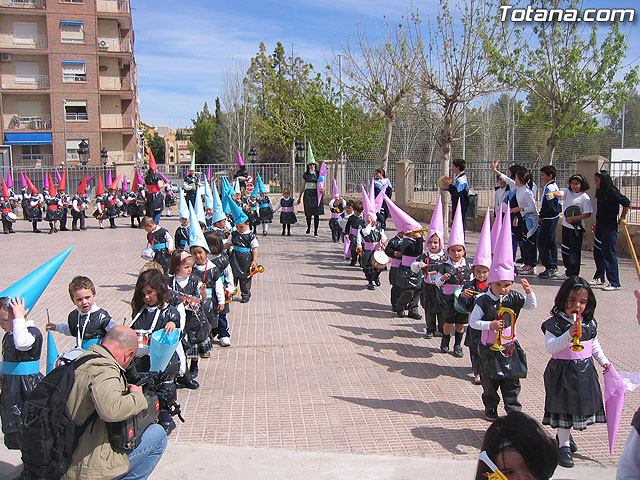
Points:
(75, 229)
(83, 228)
(437, 333)
(352, 264)
(377, 282)
(444, 343)
(547, 274)
(564, 457)
(244, 300)
(491, 414)
(133, 226)
(264, 234)
(165, 420)
(12, 231)
(370, 287)
(282, 234)
(35, 230)
(288, 234)
(415, 315)
(457, 351)
(428, 335)
(55, 230)
(51, 230)
(572, 444)
(400, 314)
(184, 382)
(64, 229)
(113, 226)
(194, 372)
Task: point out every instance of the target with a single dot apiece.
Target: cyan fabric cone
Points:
(52, 353)
(9, 179)
(495, 230)
(240, 160)
(502, 267)
(457, 229)
(402, 220)
(196, 237)
(208, 196)
(256, 188)
(483, 252)
(198, 207)
(436, 226)
(218, 211)
(163, 345)
(238, 215)
(31, 286)
(183, 211)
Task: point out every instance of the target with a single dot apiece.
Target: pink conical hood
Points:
(379, 200)
(23, 180)
(483, 252)
(495, 230)
(403, 221)
(372, 191)
(109, 178)
(457, 229)
(436, 226)
(240, 160)
(367, 206)
(335, 192)
(9, 179)
(502, 263)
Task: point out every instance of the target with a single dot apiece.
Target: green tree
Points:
(201, 140)
(218, 151)
(572, 73)
(156, 143)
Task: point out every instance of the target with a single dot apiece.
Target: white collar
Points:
(94, 308)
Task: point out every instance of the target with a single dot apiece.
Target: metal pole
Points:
(464, 134)
(623, 116)
(341, 159)
(64, 115)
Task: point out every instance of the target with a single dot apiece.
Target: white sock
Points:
(265, 227)
(563, 437)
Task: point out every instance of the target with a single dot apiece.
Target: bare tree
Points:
(380, 70)
(238, 113)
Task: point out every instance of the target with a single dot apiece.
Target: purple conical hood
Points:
(495, 230)
(335, 192)
(125, 187)
(23, 180)
(9, 179)
(483, 252)
(367, 207)
(457, 229)
(402, 220)
(502, 267)
(58, 177)
(109, 179)
(436, 226)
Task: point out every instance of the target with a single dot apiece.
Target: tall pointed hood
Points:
(52, 186)
(402, 220)
(335, 191)
(5, 190)
(310, 157)
(495, 230)
(183, 210)
(45, 183)
(152, 161)
(125, 187)
(379, 200)
(139, 178)
(100, 189)
(238, 215)
(208, 195)
(436, 226)
(240, 160)
(196, 237)
(58, 177)
(134, 182)
(52, 353)
(368, 209)
(372, 191)
(31, 286)
(218, 212)
(483, 252)
(198, 207)
(227, 191)
(32, 187)
(457, 229)
(208, 173)
(109, 179)
(116, 182)
(9, 179)
(322, 180)
(91, 177)
(82, 188)
(62, 183)
(23, 180)
(502, 267)
(193, 161)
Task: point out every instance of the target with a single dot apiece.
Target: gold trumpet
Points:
(576, 347)
(422, 231)
(229, 298)
(259, 269)
(502, 311)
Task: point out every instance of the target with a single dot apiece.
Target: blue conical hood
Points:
(182, 205)
(227, 191)
(238, 215)
(196, 237)
(208, 197)
(31, 286)
(259, 188)
(198, 206)
(218, 212)
(52, 353)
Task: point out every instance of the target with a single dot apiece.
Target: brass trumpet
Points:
(497, 345)
(422, 231)
(576, 347)
(229, 298)
(259, 269)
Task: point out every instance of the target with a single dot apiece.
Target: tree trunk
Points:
(388, 129)
(292, 167)
(446, 137)
(551, 147)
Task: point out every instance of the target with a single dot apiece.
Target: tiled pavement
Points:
(317, 362)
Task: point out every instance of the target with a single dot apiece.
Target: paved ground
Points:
(321, 377)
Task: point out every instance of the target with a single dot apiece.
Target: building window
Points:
(72, 32)
(74, 72)
(24, 33)
(171, 149)
(72, 148)
(72, 1)
(30, 153)
(76, 110)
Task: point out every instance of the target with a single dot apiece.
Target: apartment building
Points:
(67, 74)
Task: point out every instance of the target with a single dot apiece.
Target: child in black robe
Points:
(244, 257)
(352, 229)
(392, 249)
(471, 290)
(371, 238)
(336, 205)
(160, 240)
(411, 248)
(182, 234)
(287, 213)
(265, 212)
(430, 262)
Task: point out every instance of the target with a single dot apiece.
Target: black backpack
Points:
(49, 435)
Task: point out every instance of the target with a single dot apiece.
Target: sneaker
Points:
(491, 414)
(476, 379)
(307, 233)
(457, 351)
(444, 344)
(562, 277)
(437, 333)
(377, 282)
(550, 273)
(596, 282)
(244, 300)
(610, 287)
(527, 270)
(371, 287)
(564, 457)
(225, 342)
(315, 235)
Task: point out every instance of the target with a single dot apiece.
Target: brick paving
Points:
(317, 362)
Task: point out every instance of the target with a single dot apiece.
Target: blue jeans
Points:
(571, 251)
(604, 253)
(222, 330)
(156, 217)
(146, 456)
(547, 246)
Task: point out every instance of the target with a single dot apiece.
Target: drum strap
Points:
(153, 324)
(80, 332)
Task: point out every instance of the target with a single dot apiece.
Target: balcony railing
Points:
(37, 159)
(114, 45)
(37, 42)
(114, 83)
(23, 3)
(38, 122)
(113, 6)
(31, 82)
(120, 157)
(113, 120)
(74, 116)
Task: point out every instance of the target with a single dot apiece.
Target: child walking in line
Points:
(343, 220)
(244, 257)
(352, 229)
(336, 205)
(220, 259)
(392, 249)
(495, 314)
(573, 398)
(371, 238)
(160, 241)
(287, 214)
(265, 211)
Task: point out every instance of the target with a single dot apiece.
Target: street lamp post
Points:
(83, 152)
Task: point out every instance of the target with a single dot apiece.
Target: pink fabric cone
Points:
(614, 391)
(109, 178)
(402, 220)
(367, 207)
(164, 179)
(90, 178)
(347, 247)
(502, 267)
(372, 191)
(437, 222)
(209, 173)
(58, 177)
(322, 180)
(335, 191)
(140, 179)
(495, 230)
(483, 252)
(125, 187)
(240, 160)
(23, 181)
(187, 171)
(9, 179)
(379, 200)
(457, 229)
(46, 181)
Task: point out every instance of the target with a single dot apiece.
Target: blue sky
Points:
(183, 48)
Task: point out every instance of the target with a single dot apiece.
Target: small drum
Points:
(456, 301)
(379, 260)
(148, 254)
(69, 356)
(144, 342)
(12, 217)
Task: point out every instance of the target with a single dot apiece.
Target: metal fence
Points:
(75, 174)
(626, 176)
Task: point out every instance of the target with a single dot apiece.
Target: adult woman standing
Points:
(382, 183)
(154, 183)
(312, 208)
(605, 230)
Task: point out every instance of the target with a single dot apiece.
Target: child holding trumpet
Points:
(573, 397)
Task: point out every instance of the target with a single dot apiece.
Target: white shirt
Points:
(581, 200)
(22, 339)
(524, 195)
(555, 344)
(500, 195)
